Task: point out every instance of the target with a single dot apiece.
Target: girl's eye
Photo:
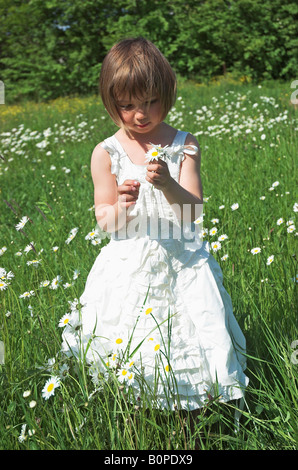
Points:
(126, 107)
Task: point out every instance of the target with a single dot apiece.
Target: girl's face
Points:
(140, 116)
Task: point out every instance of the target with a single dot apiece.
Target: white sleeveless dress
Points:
(154, 309)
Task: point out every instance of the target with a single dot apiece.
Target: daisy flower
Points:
(3, 285)
(35, 262)
(3, 250)
(255, 251)
(280, 221)
(27, 294)
(213, 231)
(156, 152)
(224, 257)
(295, 207)
(234, 206)
(50, 386)
(270, 260)
(291, 228)
(55, 282)
(215, 221)
(123, 375)
(222, 237)
(215, 246)
(44, 283)
(64, 320)
(71, 235)
(22, 223)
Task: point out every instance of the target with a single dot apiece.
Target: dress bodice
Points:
(152, 210)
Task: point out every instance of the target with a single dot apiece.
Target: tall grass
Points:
(247, 136)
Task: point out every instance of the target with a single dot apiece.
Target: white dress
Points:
(154, 309)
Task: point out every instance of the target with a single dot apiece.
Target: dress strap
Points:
(180, 138)
(110, 145)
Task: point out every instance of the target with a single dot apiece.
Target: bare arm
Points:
(186, 197)
(111, 201)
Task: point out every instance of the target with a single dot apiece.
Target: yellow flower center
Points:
(119, 341)
(66, 321)
(156, 347)
(154, 154)
(124, 372)
(50, 387)
(149, 310)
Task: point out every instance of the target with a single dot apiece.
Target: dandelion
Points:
(255, 251)
(235, 206)
(270, 260)
(22, 223)
(50, 386)
(215, 246)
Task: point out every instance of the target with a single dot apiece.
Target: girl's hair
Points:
(136, 67)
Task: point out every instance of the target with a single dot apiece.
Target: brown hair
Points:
(135, 66)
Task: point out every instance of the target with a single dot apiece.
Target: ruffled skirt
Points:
(159, 315)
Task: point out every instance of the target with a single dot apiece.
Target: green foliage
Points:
(54, 48)
(248, 143)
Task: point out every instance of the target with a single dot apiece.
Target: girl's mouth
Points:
(143, 125)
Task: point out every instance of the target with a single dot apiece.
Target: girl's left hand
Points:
(158, 174)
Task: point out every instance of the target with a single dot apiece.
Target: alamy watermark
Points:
(294, 95)
(294, 355)
(2, 92)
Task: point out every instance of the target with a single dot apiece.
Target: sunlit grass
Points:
(248, 141)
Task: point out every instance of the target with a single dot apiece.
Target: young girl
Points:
(154, 307)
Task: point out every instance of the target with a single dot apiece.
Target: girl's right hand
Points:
(128, 193)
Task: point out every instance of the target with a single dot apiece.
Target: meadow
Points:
(48, 244)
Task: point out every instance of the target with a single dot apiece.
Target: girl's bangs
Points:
(135, 82)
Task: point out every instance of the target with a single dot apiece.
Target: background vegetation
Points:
(52, 48)
(248, 140)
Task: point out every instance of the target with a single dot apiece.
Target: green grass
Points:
(248, 140)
